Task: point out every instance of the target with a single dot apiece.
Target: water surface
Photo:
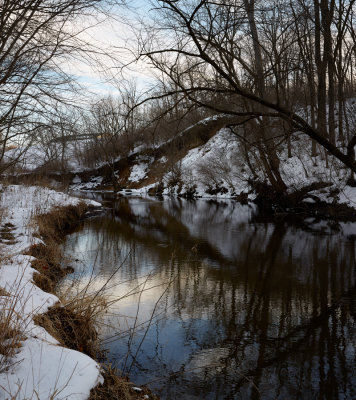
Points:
(211, 301)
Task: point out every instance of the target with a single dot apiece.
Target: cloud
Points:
(112, 44)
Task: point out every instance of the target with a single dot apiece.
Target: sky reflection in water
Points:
(218, 303)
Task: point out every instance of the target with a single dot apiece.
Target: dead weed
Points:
(116, 387)
(55, 224)
(72, 329)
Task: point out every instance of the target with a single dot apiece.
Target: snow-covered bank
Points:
(209, 160)
(39, 367)
(219, 169)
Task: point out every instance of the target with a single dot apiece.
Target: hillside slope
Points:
(208, 160)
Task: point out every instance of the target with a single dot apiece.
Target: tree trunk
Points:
(321, 71)
(267, 150)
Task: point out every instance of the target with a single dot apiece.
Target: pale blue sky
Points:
(117, 33)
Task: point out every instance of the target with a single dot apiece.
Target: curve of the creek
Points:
(210, 300)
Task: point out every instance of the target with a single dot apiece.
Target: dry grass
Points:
(47, 265)
(11, 328)
(36, 179)
(3, 292)
(73, 323)
(23, 177)
(53, 226)
(10, 339)
(43, 282)
(116, 387)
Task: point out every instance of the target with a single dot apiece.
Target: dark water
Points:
(209, 301)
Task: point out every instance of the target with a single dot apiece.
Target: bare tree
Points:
(105, 125)
(38, 39)
(112, 129)
(210, 48)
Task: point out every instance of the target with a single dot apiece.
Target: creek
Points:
(212, 300)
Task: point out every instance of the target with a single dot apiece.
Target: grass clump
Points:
(47, 265)
(72, 328)
(54, 225)
(74, 322)
(116, 387)
(11, 329)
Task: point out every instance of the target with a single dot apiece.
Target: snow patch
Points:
(138, 172)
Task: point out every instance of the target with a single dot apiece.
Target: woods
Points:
(281, 65)
(205, 243)
(38, 42)
(283, 68)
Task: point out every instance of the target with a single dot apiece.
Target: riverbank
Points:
(315, 186)
(42, 354)
(211, 163)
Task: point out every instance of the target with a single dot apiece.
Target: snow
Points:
(348, 196)
(93, 183)
(138, 172)
(219, 164)
(76, 179)
(222, 148)
(41, 368)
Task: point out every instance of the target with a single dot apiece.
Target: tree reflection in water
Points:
(256, 309)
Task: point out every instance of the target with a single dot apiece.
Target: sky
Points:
(117, 37)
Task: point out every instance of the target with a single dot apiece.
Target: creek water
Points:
(211, 300)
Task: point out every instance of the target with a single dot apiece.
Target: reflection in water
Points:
(214, 305)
